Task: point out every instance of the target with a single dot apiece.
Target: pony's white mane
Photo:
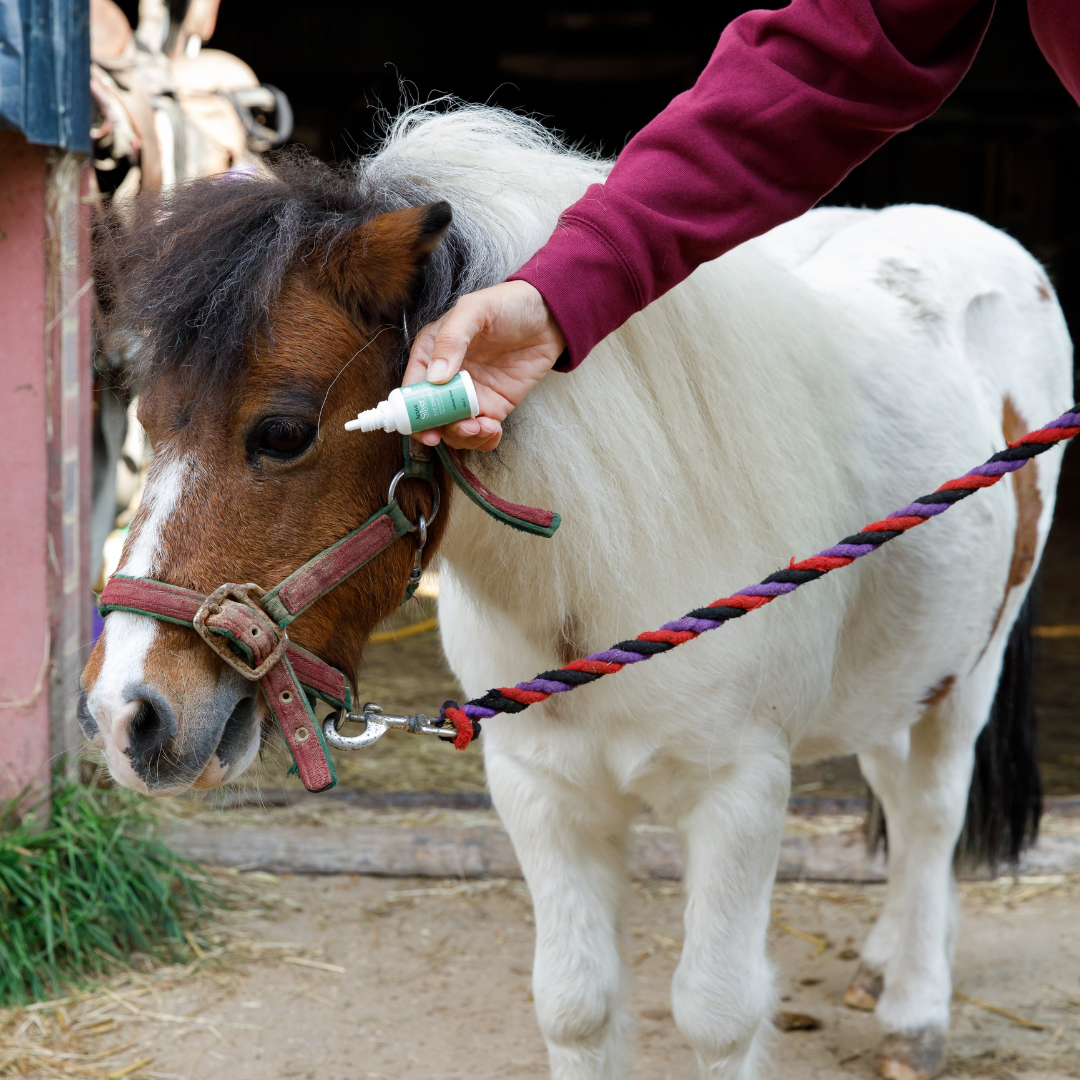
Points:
(506, 176)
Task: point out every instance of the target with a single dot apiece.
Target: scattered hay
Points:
(824, 824)
(95, 1032)
(819, 941)
(310, 814)
(1008, 1014)
(991, 1065)
(1010, 891)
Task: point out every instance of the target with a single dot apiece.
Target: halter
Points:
(245, 625)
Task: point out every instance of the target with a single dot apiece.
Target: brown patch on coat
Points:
(92, 668)
(909, 284)
(938, 692)
(1025, 484)
(1028, 500)
(1044, 291)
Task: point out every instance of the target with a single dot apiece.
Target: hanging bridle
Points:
(245, 625)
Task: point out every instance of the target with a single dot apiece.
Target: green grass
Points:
(82, 894)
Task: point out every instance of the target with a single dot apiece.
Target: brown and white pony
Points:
(804, 384)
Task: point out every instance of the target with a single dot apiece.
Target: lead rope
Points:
(515, 699)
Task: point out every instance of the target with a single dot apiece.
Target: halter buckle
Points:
(247, 596)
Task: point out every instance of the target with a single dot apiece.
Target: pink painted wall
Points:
(24, 406)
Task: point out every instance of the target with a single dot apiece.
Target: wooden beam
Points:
(477, 852)
(25, 638)
(45, 400)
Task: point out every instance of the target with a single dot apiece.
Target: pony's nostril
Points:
(170, 747)
(236, 736)
(150, 731)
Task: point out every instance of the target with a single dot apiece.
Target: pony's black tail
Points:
(1005, 798)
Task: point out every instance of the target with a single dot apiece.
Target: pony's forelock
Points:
(187, 277)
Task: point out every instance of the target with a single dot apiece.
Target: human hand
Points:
(507, 340)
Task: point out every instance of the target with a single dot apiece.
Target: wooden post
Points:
(45, 402)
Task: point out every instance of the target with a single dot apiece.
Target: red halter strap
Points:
(245, 626)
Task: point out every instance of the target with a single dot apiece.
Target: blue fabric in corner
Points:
(45, 71)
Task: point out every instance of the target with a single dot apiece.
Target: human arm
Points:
(1056, 26)
(789, 103)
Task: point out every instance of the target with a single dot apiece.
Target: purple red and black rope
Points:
(514, 699)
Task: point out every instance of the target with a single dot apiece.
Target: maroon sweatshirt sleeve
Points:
(789, 103)
(1056, 26)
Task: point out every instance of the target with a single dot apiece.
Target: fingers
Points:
(479, 433)
(483, 442)
(511, 339)
(440, 347)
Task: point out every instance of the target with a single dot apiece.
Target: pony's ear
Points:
(374, 271)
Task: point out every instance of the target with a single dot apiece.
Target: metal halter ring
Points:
(436, 496)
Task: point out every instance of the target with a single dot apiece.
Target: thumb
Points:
(453, 339)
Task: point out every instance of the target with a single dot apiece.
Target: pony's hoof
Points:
(920, 1056)
(865, 989)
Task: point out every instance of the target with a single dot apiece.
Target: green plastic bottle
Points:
(424, 405)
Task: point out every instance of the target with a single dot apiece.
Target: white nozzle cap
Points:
(378, 419)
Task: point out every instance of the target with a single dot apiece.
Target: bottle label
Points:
(432, 405)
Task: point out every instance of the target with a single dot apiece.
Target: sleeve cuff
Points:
(587, 283)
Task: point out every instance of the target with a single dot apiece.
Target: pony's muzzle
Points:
(160, 747)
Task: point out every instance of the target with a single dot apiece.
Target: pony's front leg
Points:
(571, 843)
(722, 993)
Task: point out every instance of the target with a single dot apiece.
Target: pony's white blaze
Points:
(127, 638)
(164, 483)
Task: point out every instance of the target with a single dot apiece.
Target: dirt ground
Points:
(373, 979)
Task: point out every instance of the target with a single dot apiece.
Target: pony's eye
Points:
(284, 436)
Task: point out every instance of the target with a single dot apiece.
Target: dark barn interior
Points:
(1005, 147)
